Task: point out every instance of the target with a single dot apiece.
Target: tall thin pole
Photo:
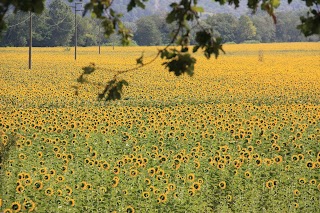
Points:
(30, 42)
(75, 29)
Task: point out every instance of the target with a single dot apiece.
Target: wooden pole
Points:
(30, 42)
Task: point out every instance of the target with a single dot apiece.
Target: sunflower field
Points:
(241, 135)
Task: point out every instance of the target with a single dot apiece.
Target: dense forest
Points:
(55, 26)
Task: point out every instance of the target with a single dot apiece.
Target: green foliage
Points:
(246, 30)
(88, 70)
(136, 3)
(310, 25)
(178, 62)
(147, 32)
(210, 45)
(224, 26)
(61, 22)
(113, 90)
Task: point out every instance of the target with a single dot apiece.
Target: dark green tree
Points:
(88, 31)
(147, 33)
(225, 25)
(61, 22)
(285, 27)
(16, 33)
(42, 32)
(245, 30)
(266, 30)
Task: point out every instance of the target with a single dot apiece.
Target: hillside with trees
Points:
(55, 26)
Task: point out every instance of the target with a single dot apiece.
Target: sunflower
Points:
(133, 172)
(296, 192)
(222, 185)
(43, 171)
(52, 172)
(28, 181)
(46, 177)
(28, 205)
(0, 202)
(313, 181)
(258, 161)
(38, 185)
(190, 177)
(116, 170)
(302, 181)
(151, 172)
(191, 192)
(269, 184)
(129, 209)
(71, 202)
(278, 159)
(310, 165)
(172, 186)
(16, 206)
(296, 205)
(146, 195)
(21, 176)
(115, 182)
(68, 190)
(89, 186)
(147, 181)
(7, 211)
(20, 189)
(105, 166)
(60, 178)
(220, 166)
(196, 186)
(247, 174)
(301, 156)
(40, 154)
(49, 191)
(229, 198)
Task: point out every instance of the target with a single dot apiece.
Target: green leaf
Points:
(113, 90)
(89, 69)
(310, 25)
(197, 9)
(182, 63)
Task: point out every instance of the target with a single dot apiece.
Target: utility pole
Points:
(75, 28)
(30, 42)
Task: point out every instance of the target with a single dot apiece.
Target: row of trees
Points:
(55, 27)
(153, 30)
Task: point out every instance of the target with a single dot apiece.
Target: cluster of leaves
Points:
(35, 6)
(113, 89)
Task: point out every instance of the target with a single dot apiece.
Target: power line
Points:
(53, 25)
(75, 28)
(19, 22)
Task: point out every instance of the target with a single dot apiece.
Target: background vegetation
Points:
(55, 27)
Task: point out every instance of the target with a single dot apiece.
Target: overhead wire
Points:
(19, 22)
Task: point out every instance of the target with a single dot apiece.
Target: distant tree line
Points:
(153, 30)
(55, 27)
